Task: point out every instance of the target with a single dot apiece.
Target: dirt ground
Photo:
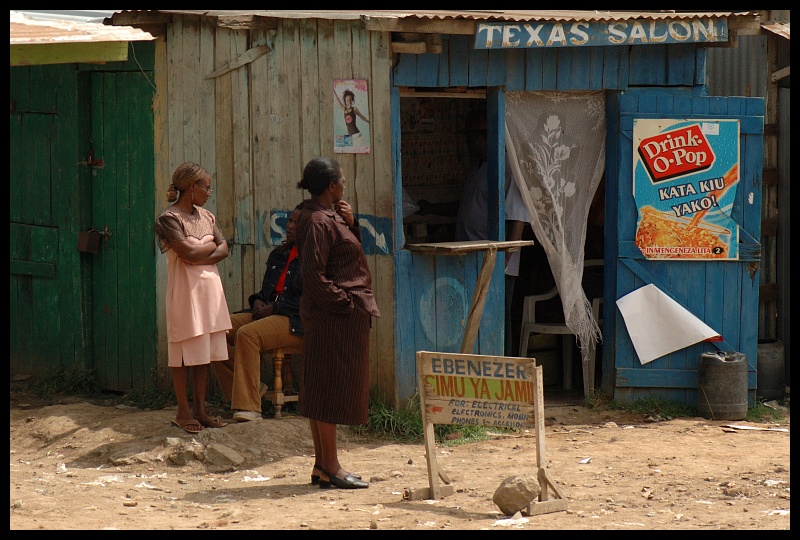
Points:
(81, 465)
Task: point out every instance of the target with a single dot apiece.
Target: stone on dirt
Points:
(515, 493)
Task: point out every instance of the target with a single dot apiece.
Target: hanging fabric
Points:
(556, 148)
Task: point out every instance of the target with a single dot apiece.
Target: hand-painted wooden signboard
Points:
(491, 391)
(538, 34)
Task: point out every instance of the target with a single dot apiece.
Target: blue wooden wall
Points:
(723, 294)
(435, 324)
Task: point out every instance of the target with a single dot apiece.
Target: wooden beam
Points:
(422, 26)
(780, 74)
(418, 494)
(405, 47)
(30, 268)
(247, 22)
(444, 93)
(69, 53)
(246, 58)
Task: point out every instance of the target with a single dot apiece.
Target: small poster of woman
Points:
(351, 117)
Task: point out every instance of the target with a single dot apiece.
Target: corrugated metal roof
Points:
(780, 28)
(25, 30)
(475, 15)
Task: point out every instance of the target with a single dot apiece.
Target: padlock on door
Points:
(89, 241)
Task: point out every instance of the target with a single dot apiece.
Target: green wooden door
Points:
(123, 206)
(34, 298)
(44, 214)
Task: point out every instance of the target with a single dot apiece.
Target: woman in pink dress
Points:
(197, 313)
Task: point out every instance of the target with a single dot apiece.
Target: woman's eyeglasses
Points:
(208, 189)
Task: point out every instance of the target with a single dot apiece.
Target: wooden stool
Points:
(282, 391)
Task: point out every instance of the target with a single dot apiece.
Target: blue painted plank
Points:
(534, 69)
(422, 302)
(612, 63)
(459, 61)
(444, 63)
(580, 69)
(685, 284)
(595, 71)
(405, 72)
(718, 105)
(515, 70)
(681, 60)
(452, 290)
(750, 182)
(648, 66)
(564, 71)
(649, 102)
(496, 68)
(755, 107)
(549, 69)
(427, 69)
(405, 342)
(654, 378)
(700, 65)
(737, 106)
(397, 169)
(733, 310)
(478, 65)
(623, 78)
(665, 103)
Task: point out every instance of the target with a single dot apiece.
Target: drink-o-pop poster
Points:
(685, 174)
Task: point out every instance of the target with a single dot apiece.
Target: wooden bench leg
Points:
(288, 382)
(282, 385)
(277, 364)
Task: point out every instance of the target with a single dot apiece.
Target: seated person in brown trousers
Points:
(273, 322)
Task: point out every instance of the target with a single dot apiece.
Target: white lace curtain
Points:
(556, 150)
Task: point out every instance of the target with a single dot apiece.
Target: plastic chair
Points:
(593, 287)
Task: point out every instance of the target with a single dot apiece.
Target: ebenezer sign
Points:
(599, 33)
(491, 391)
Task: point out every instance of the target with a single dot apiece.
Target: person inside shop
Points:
(471, 211)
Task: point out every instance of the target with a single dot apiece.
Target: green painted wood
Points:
(45, 162)
(34, 321)
(70, 179)
(67, 53)
(124, 303)
(51, 301)
(141, 168)
(33, 268)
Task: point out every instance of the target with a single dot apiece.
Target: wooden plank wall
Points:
(256, 126)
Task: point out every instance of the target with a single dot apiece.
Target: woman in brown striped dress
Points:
(336, 310)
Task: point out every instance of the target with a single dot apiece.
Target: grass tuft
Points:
(655, 406)
(405, 426)
(66, 381)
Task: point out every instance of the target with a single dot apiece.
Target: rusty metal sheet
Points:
(780, 28)
(27, 31)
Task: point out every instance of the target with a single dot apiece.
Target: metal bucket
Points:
(722, 386)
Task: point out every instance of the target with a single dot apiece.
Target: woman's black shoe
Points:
(315, 478)
(350, 481)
